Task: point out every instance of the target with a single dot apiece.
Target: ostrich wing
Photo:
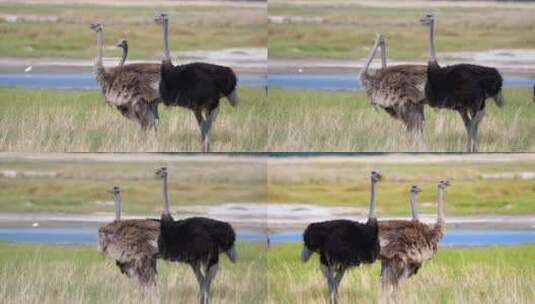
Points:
(399, 84)
(130, 82)
(406, 239)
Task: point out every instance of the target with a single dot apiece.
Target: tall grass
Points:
(65, 274)
(335, 121)
(73, 121)
(460, 275)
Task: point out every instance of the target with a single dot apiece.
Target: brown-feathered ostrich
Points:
(131, 88)
(343, 244)
(196, 86)
(405, 245)
(132, 243)
(197, 241)
(461, 87)
(399, 90)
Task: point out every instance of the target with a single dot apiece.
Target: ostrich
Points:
(461, 87)
(132, 243)
(343, 244)
(405, 245)
(399, 90)
(123, 45)
(131, 88)
(196, 241)
(196, 86)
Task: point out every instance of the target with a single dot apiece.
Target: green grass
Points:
(345, 183)
(454, 275)
(78, 274)
(79, 186)
(79, 121)
(312, 121)
(191, 28)
(347, 31)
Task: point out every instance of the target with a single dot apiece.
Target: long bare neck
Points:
(440, 205)
(383, 55)
(432, 53)
(98, 59)
(98, 68)
(165, 33)
(123, 58)
(117, 198)
(165, 197)
(370, 58)
(412, 200)
(371, 213)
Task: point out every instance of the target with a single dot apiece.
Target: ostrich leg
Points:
(328, 273)
(338, 279)
(210, 274)
(201, 121)
(475, 127)
(468, 126)
(210, 119)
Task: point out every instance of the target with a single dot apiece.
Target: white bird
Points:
(36, 224)
(28, 69)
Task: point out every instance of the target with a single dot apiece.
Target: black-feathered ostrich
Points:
(399, 90)
(406, 245)
(461, 87)
(343, 244)
(196, 86)
(197, 241)
(131, 88)
(132, 243)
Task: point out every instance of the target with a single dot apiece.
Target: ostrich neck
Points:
(413, 206)
(440, 205)
(98, 61)
(371, 214)
(370, 58)
(432, 54)
(383, 55)
(165, 197)
(117, 197)
(165, 32)
(123, 58)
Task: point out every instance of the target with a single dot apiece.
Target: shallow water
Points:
(87, 236)
(85, 81)
(351, 82)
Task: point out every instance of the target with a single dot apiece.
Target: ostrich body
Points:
(131, 88)
(406, 245)
(196, 241)
(132, 243)
(399, 90)
(461, 87)
(343, 244)
(196, 86)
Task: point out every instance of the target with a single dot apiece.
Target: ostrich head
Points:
(161, 18)
(415, 189)
(161, 172)
(427, 20)
(376, 176)
(443, 184)
(122, 44)
(97, 27)
(114, 190)
(380, 39)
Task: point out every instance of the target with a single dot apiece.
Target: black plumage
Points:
(343, 244)
(196, 86)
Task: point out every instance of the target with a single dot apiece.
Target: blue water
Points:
(85, 81)
(351, 82)
(87, 236)
(325, 82)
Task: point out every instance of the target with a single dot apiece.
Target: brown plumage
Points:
(132, 243)
(131, 88)
(405, 245)
(399, 90)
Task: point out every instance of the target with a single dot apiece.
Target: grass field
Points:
(72, 274)
(80, 186)
(455, 275)
(79, 121)
(347, 31)
(339, 121)
(191, 28)
(67, 185)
